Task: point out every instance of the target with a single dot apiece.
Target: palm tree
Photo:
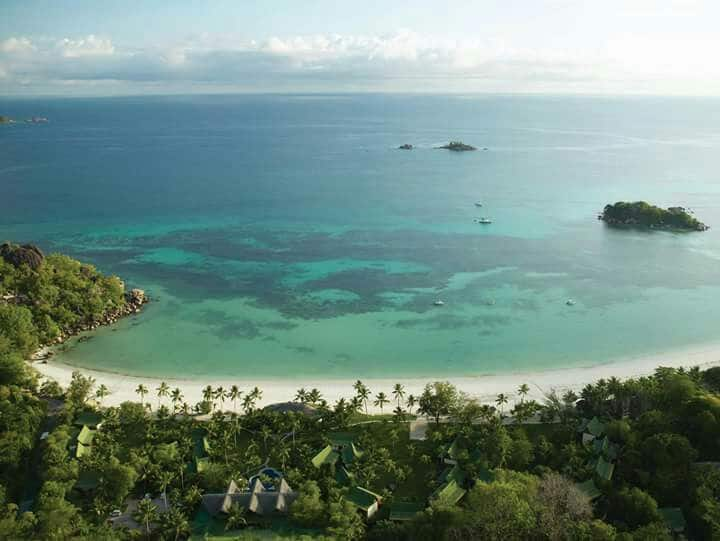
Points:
(363, 393)
(220, 395)
(411, 401)
(146, 513)
(101, 393)
(523, 390)
(165, 479)
(380, 400)
(398, 392)
(233, 395)
(142, 391)
(192, 496)
(208, 396)
(294, 424)
(283, 455)
(175, 524)
(501, 400)
(301, 395)
(314, 396)
(162, 391)
(256, 394)
(185, 408)
(176, 398)
(248, 403)
(236, 518)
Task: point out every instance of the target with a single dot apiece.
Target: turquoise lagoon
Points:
(286, 236)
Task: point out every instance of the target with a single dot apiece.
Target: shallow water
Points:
(283, 236)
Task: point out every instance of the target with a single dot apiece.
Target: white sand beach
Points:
(483, 387)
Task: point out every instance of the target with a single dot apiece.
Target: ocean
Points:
(286, 235)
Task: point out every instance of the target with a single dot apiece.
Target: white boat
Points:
(484, 221)
(570, 302)
(439, 303)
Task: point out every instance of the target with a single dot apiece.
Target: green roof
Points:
(486, 475)
(89, 418)
(87, 480)
(454, 449)
(604, 468)
(343, 476)
(450, 492)
(201, 463)
(401, 511)
(362, 497)
(595, 427)
(600, 445)
(199, 442)
(82, 450)
(339, 439)
(453, 474)
(589, 489)
(350, 453)
(327, 456)
(86, 435)
(674, 518)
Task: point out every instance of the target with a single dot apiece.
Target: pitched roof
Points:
(89, 418)
(589, 489)
(362, 497)
(343, 476)
(87, 480)
(604, 468)
(450, 492)
(595, 427)
(86, 435)
(674, 518)
(350, 453)
(339, 439)
(82, 450)
(327, 456)
(401, 511)
(227, 500)
(200, 447)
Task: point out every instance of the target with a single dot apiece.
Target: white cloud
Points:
(88, 46)
(16, 45)
(403, 60)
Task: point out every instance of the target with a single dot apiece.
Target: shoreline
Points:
(482, 387)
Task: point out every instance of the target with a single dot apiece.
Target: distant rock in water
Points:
(27, 254)
(642, 214)
(458, 146)
(5, 120)
(406, 146)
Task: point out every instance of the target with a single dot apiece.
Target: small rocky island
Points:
(642, 214)
(458, 146)
(406, 146)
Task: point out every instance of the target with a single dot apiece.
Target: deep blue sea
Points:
(286, 235)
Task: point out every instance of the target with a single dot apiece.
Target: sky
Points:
(116, 47)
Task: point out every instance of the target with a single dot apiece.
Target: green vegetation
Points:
(643, 214)
(623, 460)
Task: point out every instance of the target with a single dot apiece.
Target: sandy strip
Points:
(484, 387)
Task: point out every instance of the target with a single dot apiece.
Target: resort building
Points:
(257, 498)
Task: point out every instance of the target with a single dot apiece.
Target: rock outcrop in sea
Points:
(458, 146)
(27, 254)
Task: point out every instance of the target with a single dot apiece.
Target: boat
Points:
(478, 204)
(570, 302)
(484, 221)
(439, 303)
